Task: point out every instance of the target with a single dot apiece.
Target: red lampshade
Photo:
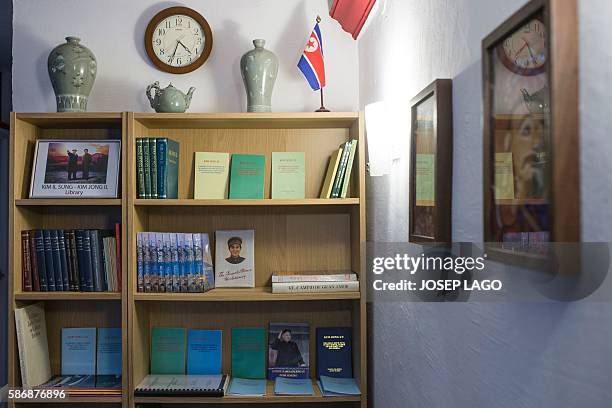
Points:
(351, 14)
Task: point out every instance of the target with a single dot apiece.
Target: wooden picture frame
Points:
(430, 212)
(561, 131)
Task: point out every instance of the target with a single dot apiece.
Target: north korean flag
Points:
(311, 63)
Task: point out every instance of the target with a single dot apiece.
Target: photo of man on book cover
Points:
(235, 259)
(288, 351)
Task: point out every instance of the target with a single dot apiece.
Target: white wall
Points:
(114, 31)
(459, 355)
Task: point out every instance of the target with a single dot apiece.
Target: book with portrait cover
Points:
(334, 352)
(247, 176)
(288, 350)
(235, 259)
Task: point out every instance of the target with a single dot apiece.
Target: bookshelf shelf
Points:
(67, 296)
(248, 203)
(257, 294)
(523, 201)
(68, 202)
(72, 400)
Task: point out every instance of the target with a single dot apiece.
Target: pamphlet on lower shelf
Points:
(315, 287)
(244, 387)
(183, 385)
(293, 386)
(333, 387)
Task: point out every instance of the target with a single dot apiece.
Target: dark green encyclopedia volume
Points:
(167, 168)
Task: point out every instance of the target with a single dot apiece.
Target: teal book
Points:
(348, 170)
(146, 160)
(333, 386)
(167, 350)
(204, 352)
(288, 175)
(249, 353)
(244, 387)
(247, 176)
(140, 175)
(153, 162)
(167, 167)
(337, 186)
(109, 352)
(78, 351)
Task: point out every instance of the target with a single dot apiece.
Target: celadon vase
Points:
(72, 69)
(259, 69)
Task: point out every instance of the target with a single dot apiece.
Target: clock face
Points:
(524, 52)
(178, 40)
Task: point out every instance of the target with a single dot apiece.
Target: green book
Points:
(337, 188)
(249, 353)
(167, 168)
(247, 176)
(288, 175)
(140, 176)
(347, 172)
(153, 161)
(147, 166)
(167, 350)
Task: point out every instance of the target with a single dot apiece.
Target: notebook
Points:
(183, 385)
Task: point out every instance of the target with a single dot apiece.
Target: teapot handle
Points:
(154, 85)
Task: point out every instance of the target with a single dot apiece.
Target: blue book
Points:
(245, 387)
(204, 352)
(198, 272)
(79, 351)
(140, 262)
(167, 168)
(96, 261)
(331, 386)
(293, 386)
(168, 273)
(153, 271)
(183, 266)
(63, 260)
(40, 259)
(109, 351)
(189, 257)
(87, 264)
(57, 261)
(161, 265)
(147, 263)
(207, 265)
(176, 270)
(334, 352)
(50, 266)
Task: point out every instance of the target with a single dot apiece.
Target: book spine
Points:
(349, 167)
(26, 261)
(78, 241)
(153, 162)
(63, 260)
(176, 271)
(153, 263)
(140, 263)
(348, 277)
(65, 243)
(161, 264)
(162, 169)
(147, 269)
(340, 172)
(146, 159)
(198, 273)
(182, 255)
(49, 261)
(104, 266)
(34, 262)
(95, 261)
(189, 257)
(74, 260)
(140, 174)
(41, 260)
(167, 262)
(88, 262)
(315, 287)
(172, 170)
(118, 254)
(57, 262)
(25, 380)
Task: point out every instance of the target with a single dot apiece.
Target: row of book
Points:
(90, 357)
(71, 260)
(174, 262)
(256, 354)
(286, 282)
(157, 167)
(337, 178)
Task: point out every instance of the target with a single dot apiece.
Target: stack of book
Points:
(287, 282)
(157, 167)
(71, 260)
(338, 176)
(174, 262)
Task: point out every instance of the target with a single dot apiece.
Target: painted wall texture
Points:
(458, 355)
(114, 31)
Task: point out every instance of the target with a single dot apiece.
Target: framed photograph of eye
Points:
(431, 164)
(531, 135)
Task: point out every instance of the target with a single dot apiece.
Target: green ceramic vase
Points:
(259, 68)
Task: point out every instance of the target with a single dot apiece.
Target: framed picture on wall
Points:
(76, 169)
(431, 163)
(531, 135)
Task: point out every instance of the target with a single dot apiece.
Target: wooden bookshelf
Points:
(311, 234)
(64, 309)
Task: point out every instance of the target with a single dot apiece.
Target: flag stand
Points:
(322, 108)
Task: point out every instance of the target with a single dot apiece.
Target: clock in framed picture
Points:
(531, 178)
(178, 40)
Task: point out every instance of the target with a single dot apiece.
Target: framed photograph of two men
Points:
(76, 169)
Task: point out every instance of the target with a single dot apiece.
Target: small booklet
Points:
(293, 386)
(331, 386)
(244, 387)
(183, 385)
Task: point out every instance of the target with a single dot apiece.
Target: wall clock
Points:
(524, 52)
(178, 40)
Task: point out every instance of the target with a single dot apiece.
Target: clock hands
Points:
(178, 41)
(185, 47)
